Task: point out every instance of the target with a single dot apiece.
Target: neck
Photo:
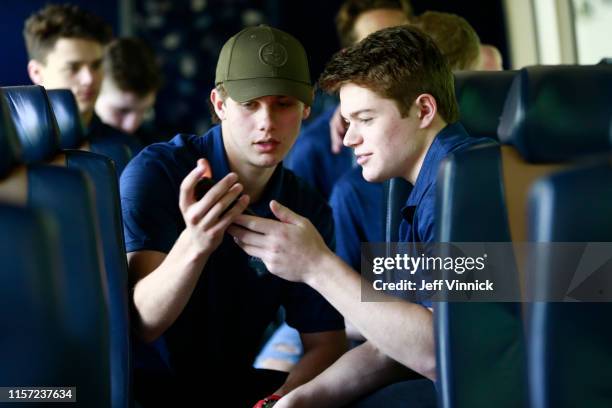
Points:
(86, 117)
(428, 136)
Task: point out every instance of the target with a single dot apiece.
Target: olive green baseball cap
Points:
(262, 61)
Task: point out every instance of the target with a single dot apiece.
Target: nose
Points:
(131, 122)
(266, 118)
(86, 75)
(351, 137)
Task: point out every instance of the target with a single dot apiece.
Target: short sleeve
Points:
(149, 200)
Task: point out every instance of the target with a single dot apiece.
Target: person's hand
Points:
(337, 130)
(290, 248)
(267, 402)
(206, 219)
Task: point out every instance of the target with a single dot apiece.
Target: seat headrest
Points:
(10, 150)
(66, 110)
(35, 123)
(555, 113)
(481, 96)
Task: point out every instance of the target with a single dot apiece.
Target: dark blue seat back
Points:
(66, 110)
(10, 149)
(102, 172)
(551, 114)
(556, 113)
(481, 96)
(67, 195)
(35, 340)
(106, 223)
(479, 346)
(395, 194)
(569, 343)
(34, 122)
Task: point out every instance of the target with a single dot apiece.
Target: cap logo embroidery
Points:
(273, 54)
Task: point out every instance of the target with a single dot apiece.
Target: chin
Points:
(370, 177)
(266, 162)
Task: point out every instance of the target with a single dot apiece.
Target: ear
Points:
(427, 108)
(35, 71)
(306, 112)
(218, 103)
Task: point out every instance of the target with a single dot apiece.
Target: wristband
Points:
(267, 402)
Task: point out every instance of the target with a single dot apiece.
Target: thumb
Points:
(284, 214)
(205, 167)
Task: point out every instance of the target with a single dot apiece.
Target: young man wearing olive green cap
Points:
(192, 284)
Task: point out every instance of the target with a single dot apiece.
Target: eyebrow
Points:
(356, 113)
(80, 62)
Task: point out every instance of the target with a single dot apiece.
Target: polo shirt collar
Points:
(441, 145)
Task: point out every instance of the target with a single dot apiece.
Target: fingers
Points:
(337, 129)
(252, 250)
(195, 211)
(186, 193)
(257, 224)
(246, 236)
(284, 214)
(226, 220)
(211, 216)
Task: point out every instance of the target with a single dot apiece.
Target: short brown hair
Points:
(398, 63)
(454, 36)
(352, 9)
(43, 28)
(131, 65)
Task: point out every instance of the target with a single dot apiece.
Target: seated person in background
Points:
(454, 36)
(311, 157)
(66, 45)
(358, 204)
(490, 58)
(191, 282)
(131, 82)
(397, 95)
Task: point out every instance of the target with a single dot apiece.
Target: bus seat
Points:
(481, 96)
(545, 123)
(10, 149)
(66, 111)
(569, 342)
(479, 346)
(107, 223)
(556, 113)
(34, 122)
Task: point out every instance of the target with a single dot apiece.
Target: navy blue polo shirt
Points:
(223, 322)
(358, 215)
(99, 129)
(311, 157)
(419, 213)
